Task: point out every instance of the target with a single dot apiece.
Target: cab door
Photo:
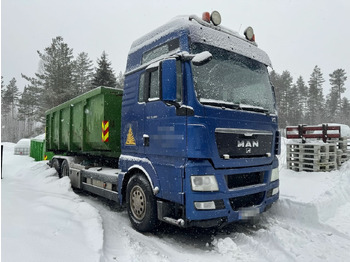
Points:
(164, 135)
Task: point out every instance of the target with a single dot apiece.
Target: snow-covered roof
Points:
(39, 138)
(197, 32)
(23, 143)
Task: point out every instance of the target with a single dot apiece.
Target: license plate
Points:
(247, 213)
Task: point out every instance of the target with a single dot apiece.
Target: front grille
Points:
(278, 143)
(247, 201)
(247, 179)
(243, 143)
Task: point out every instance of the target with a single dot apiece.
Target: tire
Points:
(141, 204)
(64, 169)
(56, 164)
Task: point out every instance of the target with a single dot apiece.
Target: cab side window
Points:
(154, 85)
(142, 88)
(179, 81)
(149, 86)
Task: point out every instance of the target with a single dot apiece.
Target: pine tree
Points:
(283, 85)
(337, 81)
(35, 90)
(10, 125)
(10, 97)
(345, 111)
(57, 73)
(82, 73)
(5, 107)
(120, 81)
(104, 75)
(295, 109)
(27, 108)
(302, 90)
(315, 99)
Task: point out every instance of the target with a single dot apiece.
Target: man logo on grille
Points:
(247, 143)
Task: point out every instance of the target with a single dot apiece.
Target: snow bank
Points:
(42, 218)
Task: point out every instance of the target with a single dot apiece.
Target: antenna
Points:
(239, 30)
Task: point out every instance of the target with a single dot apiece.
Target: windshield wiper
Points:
(243, 107)
(221, 104)
(254, 109)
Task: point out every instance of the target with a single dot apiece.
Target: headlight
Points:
(275, 191)
(275, 175)
(209, 205)
(204, 183)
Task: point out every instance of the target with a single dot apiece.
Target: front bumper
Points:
(236, 203)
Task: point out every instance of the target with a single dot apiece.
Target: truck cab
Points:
(198, 127)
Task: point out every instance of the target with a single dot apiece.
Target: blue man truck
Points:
(191, 140)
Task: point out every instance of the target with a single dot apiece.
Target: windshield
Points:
(232, 80)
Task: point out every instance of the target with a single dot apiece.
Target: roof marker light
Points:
(206, 17)
(215, 18)
(249, 34)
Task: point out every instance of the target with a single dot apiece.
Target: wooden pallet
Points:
(311, 148)
(311, 167)
(342, 158)
(313, 157)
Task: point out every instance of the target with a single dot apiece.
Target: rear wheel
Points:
(64, 169)
(57, 165)
(141, 203)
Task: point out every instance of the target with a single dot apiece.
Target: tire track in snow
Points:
(290, 231)
(168, 244)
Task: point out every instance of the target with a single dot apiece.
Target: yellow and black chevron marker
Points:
(105, 131)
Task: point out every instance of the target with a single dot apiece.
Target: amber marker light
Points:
(206, 17)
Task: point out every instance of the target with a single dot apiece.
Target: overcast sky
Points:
(297, 34)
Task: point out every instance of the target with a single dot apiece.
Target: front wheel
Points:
(141, 204)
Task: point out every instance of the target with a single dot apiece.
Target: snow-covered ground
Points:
(44, 220)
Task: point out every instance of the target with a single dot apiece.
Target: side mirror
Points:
(202, 58)
(168, 80)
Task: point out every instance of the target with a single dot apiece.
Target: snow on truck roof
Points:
(199, 32)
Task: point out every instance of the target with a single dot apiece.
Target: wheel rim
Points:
(138, 202)
(65, 170)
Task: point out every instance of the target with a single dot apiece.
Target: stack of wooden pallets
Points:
(343, 152)
(316, 156)
(312, 157)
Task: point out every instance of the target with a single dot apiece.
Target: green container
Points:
(37, 150)
(88, 124)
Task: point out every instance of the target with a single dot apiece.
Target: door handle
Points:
(145, 140)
